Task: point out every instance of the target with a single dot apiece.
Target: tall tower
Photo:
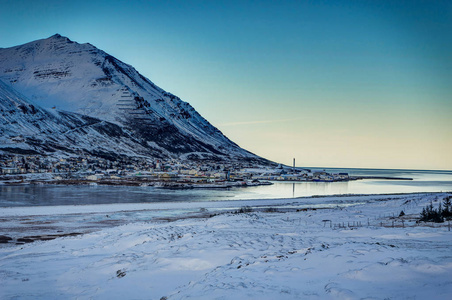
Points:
(293, 169)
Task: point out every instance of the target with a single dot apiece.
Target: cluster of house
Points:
(95, 168)
(22, 164)
(170, 170)
(294, 174)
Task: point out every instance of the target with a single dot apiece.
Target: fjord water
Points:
(39, 195)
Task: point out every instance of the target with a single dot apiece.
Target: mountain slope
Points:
(27, 128)
(57, 72)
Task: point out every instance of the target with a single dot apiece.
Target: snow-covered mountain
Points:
(26, 128)
(79, 86)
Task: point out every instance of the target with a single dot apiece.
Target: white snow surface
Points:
(259, 255)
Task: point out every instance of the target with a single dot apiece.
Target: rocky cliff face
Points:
(91, 89)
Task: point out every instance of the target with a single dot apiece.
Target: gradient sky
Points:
(331, 83)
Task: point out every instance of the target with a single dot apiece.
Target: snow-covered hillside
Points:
(27, 128)
(59, 73)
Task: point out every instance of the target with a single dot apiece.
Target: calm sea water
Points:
(33, 195)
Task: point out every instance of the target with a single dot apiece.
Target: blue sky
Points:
(331, 83)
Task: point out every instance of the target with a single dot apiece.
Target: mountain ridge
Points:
(80, 78)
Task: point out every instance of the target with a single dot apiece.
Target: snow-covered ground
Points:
(348, 247)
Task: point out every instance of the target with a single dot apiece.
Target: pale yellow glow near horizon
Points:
(397, 138)
(330, 148)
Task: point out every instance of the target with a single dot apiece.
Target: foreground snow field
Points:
(348, 248)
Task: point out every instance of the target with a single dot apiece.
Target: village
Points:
(170, 173)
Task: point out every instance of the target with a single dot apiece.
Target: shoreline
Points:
(380, 177)
(27, 224)
(225, 201)
(175, 183)
(138, 182)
